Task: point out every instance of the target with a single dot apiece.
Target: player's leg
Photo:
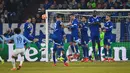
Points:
(65, 58)
(99, 47)
(72, 45)
(54, 54)
(22, 60)
(93, 46)
(14, 56)
(110, 50)
(59, 51)
(2, 61)
(85, 49)
(105, 52)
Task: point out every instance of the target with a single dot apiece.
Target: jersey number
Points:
(19, 40)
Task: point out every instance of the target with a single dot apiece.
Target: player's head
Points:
(72, 16)
(108, 17)
(84, 18)
(58, 17)
(17, 30)
(94, 13)
(29, 20)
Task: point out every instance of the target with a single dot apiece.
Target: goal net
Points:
(121, 30)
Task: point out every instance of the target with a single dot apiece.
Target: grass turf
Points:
(75, 67)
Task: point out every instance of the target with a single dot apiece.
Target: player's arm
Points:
(7, 39)
(75, 25)
(1, 40)
(27, 40)
(108, 28)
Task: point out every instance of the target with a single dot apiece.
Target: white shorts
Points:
(16, 52)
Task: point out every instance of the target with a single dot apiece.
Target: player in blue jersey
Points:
(58, 36)
(28, 29)
(19, 45)
(108, 26)
(84, 38)
(28, 33)
(74, 36)
(94, 24)
(2, 61)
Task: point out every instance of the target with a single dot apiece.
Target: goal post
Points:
(67, 11)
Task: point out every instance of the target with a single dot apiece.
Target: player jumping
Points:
(28, 33)
(58, 36)
(108, 39)
(95, 34)
(19, 44)
(75, 37)
(84, 38)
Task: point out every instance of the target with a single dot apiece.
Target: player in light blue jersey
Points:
(108, 26)
(19, 44)
(2, 61)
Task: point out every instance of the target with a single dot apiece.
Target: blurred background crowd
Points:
(16, 11)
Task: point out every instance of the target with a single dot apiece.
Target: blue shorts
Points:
(74, 38)
(55, 48)
(84, 40)
(57, 38)
(107, 41)
(68, 37)
(95, 38)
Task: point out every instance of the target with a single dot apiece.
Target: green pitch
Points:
(75, 67)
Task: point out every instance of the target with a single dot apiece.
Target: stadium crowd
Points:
(12, 10)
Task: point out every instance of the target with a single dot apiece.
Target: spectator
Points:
(119, 3)
(33, 20)
(54, 4)
(83, 4)
(6, 16)
(91, 4)
(42, 11)
(1, 8)
(99, 4)
(105, 6)
(39, 9)
(59, 6)
(2, 19)
(38, 18)
(12, 6)
(116, 6)
(52, 7)
(47, 4)
(128, 4)
(65, 5)
(110, 4)
(74, 4)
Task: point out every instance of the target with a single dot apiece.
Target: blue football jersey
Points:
(57, 26)
(74, 27)
(27, 29)
(108, 27)
(94, 25)
(84, 28)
